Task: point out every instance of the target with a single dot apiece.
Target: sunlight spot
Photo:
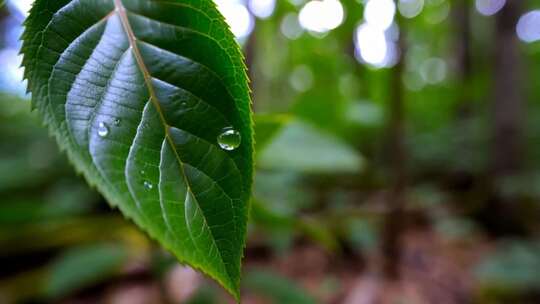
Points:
(489, 7)
(376, 47)
(237, 16)
(11, 78)
(410, 8)
(528, 27)
(380, 13)
(371, 44)
(262, 8)
(22, 6)
(321, 16)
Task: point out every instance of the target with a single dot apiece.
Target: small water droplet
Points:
(229, 139)
(148, 185)
(143, 172)
(103, 129)
(184, 104)
(117, 122)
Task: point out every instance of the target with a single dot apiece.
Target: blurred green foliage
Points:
(276, 288)
(83, 266)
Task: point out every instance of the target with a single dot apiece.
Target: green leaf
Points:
(281, 223)
(266, 127)
(82, 267)
(276, 288)
(513, 265)
(137, 92)
(303, 148)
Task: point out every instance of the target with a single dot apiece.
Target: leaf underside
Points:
(137, 92)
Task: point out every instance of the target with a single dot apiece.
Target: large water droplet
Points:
(148, 185)
(103, 129)
(229, 139)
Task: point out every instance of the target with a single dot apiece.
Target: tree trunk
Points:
(395, 221)
(464, 56)
(502, 215)
(461, 177)
(508, 103)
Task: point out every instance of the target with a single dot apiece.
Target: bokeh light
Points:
(433, 70)
(375, 47)
(12, 74)
(438, 12)
(380, 13)
(371, 44)
(321, 16)
(375, 39)
(263, 9)
(410, 8)
(528, 27)
(489, 7)
(290, 27)
(301, 78)
(237, 16)
(22, 6)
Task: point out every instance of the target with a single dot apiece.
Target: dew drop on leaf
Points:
(117, 122)
(103, 129)
(229, 139)
(148, 185)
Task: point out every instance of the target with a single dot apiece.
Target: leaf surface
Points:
(138, 92)
(302, 148)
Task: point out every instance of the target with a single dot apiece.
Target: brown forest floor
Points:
(432, 271)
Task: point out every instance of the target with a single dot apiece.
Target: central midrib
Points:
(120, 9)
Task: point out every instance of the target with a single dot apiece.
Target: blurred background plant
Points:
(398, 157)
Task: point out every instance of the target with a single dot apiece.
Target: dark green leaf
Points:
(276, 288)
(138, 92)
(266, 127)
(303, 148)
(513, 265)
(83, 266)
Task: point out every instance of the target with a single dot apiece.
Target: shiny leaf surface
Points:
(138, 93)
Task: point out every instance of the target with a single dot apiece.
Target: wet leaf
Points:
(138, 94)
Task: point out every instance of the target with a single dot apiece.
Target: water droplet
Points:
(143, 172)
(148, 185)
(103, 129)
(229, 139)
(117, 122)
(183, 104)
